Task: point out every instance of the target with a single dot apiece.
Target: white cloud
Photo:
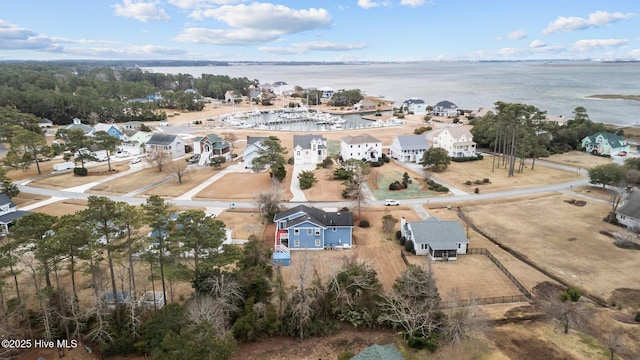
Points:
(596, 19)
(412, 3)
(536, 44)
(126, 52)
(197, 4)
(303, 48)
(142, 11)
(635, 53)
(590, 44)
(269, 17)
(13, 37)
(226, 37)
(515, 35)
(368, 4)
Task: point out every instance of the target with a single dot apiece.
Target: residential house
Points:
(132, 125)
(327, 92)
(604, 143)
(254, 145)
(445, 108)
(408, 148)
(628, 214)
(309, 149)
(440, 239)
(415, 106)
(231, 96)
(365, 105)
(457, 140)
(8, 213)
(133, 141)
(45, 123)
(210, 146)
(308, 228)
(169, 143)
(360, 147)
(77, 124)
(110, 129)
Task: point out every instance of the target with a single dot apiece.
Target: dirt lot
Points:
(244, 186)
(67, 179)
(578, 159)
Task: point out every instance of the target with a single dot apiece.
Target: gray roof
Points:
(316, 216)
(439, 234)
(631, 207)
(304, 141)
(4, 200)
(379, 352)
(413, 142)
(446, 105)
(162, 139)
(9, 217)
(414, 101)
(359, 139)
(253, 139)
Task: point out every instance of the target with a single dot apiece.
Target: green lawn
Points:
(413, 191)
(333, 147)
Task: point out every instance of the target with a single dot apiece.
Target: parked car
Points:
(622, 153)
(391, 202)
(136, 160)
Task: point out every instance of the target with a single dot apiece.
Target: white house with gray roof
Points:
(309, 149)
(457, 140)
(408, 148)
(445, 108)
(169, 143)
(440, 239)
(252, 151)
(360, 147)
(415, 105)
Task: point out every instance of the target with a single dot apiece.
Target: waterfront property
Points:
(360, 147)
(445, 108)
(440, 239)
(408, 148)
(365, 105)
(415, 106)
(309, 149)
(457, 140)
(604, 143)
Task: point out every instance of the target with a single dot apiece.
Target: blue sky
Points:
(357, 30)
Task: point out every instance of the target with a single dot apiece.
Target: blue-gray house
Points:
(308, 228)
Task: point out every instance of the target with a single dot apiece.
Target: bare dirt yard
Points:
(538, 229)
(457, 174)
(244, 186)
(67, 179)
(326, 189)
(243, 222)
(578, 159)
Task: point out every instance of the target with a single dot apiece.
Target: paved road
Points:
(185, 199)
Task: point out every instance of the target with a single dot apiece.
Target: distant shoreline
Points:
(615, 97)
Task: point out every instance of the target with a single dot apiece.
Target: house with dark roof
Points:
(604, 143)
(168, 143)
(308, 228)
(45, 123)
(415, 106)
(360, 147)
(8, 213)
(445, 108)
(457, 140)
(254, 145)
(408, 148)
(440, 239)
(628, 214)
(210, 146)
(309, 149)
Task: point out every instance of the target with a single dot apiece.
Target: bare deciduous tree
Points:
(388, 223)
(463, 318)
(210, 309)
(268, 202)
(178, 168)
(158, 158)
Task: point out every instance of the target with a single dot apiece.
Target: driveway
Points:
(298, 195)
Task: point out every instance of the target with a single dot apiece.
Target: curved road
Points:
(78, 193)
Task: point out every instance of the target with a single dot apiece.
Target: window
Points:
(296, 243)
(317, 242)
(317, 232)
(335, 229)
(296, 231)
(298, 153)
(309, 231)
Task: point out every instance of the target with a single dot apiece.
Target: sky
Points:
(299, 30)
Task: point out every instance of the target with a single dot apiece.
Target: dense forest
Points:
(61, 92)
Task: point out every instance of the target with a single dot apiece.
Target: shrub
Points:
(408, 245)
(376, 163)
(398, 234)
(403, 240)
(637, 316)
(480, 156)
(417, 343)
(476, 191)
(571, 294)
(386, 158)
(486, 180)
(432, 342)
(80, 171)
(468, 182)
(346, 355)
(477, 182)
(290, 161)
(327, 162)
(364, 224)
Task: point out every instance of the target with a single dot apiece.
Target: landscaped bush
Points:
(290, 161)
(480, 156)
(386, 158)
(408, 246)
(398, 234)
(396, 185)
(637, 316)
(468, 182)
(376, 164)
(422, 130)
(486, 180)
(403, 240)
(80, 171)
(477, 182)
(465, 158)
(417, 343)
(364, 224)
